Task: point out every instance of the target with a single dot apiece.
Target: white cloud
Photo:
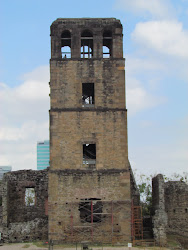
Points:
(166, 37)
(139, 98)
(39, 74)
(28, 101)
(140, 64)
(142, 83)
(24, 118)
(155, 8)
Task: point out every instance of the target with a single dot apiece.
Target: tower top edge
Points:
(86, 20)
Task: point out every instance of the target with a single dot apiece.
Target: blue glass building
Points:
(43, 154)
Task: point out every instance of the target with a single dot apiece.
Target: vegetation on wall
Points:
(144, 184)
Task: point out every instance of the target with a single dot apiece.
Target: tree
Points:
(145, 188)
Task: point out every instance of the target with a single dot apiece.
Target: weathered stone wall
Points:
(109, 87)
(176, 207)
(21, 222)
(69, 187)
(160, 216)
(170, 206)
(70, 130)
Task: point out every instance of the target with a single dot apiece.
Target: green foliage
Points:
(177, 177)
(30, 196)
(145, 188)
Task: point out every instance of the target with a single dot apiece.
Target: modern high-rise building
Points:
(43, 154)
(3, 170)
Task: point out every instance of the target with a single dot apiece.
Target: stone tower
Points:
(89, 177)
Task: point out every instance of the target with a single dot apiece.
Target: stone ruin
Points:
(24, 210)
(89, 166)
(22, 220)
(170, 208)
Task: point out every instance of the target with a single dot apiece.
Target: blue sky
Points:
(156, 52)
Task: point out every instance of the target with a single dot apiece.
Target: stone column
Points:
(160, 218)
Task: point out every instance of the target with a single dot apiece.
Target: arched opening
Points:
(86, 44)
(107, 44)
(66, 44)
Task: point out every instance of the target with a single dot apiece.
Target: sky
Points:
(156, 51)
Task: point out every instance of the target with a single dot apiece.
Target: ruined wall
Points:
(176, 207)
(23, 221)
(69, 188)
(170, 207)
(160, 216)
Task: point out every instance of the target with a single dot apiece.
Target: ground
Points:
(31, 246)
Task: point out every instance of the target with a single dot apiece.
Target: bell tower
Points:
(89, 176)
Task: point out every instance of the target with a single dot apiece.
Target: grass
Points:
(40, 244)
(26, 246)
(171, 241)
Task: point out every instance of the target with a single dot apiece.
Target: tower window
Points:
(88, 95)
(89, 155)
(66, 44)
(107, 44)
(86, 44)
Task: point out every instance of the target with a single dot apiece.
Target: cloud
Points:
(24, 118)
(139, 98)
(39, 74)
(155, 8)
(166, 37)
(142, 83)
(28, 101)
(138, 65)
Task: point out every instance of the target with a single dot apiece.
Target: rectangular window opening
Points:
(88, 95)
(30, 197)
(89, 155)
(90, 210)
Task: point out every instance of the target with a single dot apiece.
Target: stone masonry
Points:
(170, 206)
(160, 216)
(22, 221)
(176, 207)
(89, 177)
